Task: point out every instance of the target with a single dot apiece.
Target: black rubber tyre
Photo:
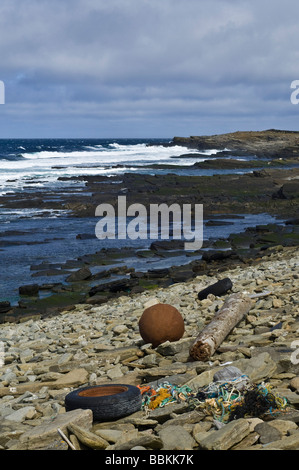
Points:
(107, 402)
(218, 288)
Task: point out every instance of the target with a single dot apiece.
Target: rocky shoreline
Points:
(271, 186)
(270, 191)
(83, 285)
(271, 143)
(100, 344)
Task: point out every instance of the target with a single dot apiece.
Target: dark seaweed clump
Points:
(254, 404)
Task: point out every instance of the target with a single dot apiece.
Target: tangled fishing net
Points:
(225, 401)
(239, 398)
(164, 394)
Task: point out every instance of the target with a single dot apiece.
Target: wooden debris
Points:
(64, 437)
(231, 313)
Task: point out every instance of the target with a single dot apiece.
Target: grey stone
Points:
(80, 275)
(115, 372)
(150, 360)
(8, 377)
(120, 329)
(189, 417)
(8, 435)
(87, 437)
(163, 414)
(171, 348)
(258, 367)
(43, 435)
(58, 444)
(202, 379)
(26, 355)
(31, 289)
(267, 433)
(74, 378)
(284, 426)
(248, 442)
(294, 383)
(287, 443)
(110, 435)
(226, 437)
(27, 412)
(149, 441)
(176, 438)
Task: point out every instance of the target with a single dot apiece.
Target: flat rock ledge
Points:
(43, 360)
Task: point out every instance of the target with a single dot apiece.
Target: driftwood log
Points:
(231, 313)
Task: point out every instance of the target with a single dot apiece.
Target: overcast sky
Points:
(147, 68)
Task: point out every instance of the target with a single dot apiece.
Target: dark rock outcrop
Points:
(30, 290)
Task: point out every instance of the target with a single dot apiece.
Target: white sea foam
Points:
(43, 168)
(116, 153)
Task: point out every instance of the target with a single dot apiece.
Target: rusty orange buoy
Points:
(160, 323)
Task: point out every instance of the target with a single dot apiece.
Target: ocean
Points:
(40, 162)
(31, 236)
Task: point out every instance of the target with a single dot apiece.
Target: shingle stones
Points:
(160, 323)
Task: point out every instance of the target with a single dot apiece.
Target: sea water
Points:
(32, 236)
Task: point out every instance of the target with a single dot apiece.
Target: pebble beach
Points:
(43, 360)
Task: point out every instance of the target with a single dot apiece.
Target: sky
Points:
(147, 68)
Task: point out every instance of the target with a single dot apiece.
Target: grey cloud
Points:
(146, 62)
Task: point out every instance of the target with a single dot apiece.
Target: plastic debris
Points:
(237, 398)
(228, 373)
(224, 400)
(219, 288)
(164, 394)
